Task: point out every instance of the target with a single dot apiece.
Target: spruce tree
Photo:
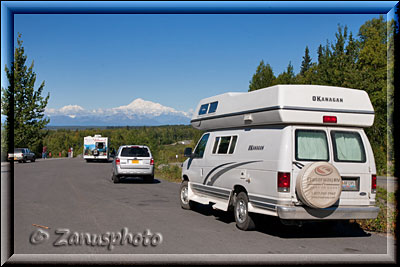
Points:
(22, 105)
(372, 63)
(306, 63)
(287, 77)
(263, 77)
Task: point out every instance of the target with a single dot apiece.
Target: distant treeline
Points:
(61, 140)
(50, 127)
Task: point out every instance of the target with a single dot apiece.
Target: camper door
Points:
(351, 159)
(310, 144)
(196, 164)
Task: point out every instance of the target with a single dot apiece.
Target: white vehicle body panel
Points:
(133, 165)
(288, 104)
(266, 145)
(95, 147)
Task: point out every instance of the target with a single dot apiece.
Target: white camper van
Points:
(95, 148)
(298, 152)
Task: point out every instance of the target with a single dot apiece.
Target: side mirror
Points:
(188, 152)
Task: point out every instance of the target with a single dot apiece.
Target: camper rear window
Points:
(100, 145)
(348, 147)
(311, 145)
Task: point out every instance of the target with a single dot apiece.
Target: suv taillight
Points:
(152, 161)
(283, 181)
(117, 161)
(373, 183)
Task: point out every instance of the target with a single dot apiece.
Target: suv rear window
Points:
(135, 152)
(18, 150)
(347, 147)
(311, 145)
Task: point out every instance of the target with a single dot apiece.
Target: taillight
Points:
(283, 181)
(117, 161)
(152, 161)
(373, 183)
(329, 119)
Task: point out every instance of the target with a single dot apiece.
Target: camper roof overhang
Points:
(287, 104)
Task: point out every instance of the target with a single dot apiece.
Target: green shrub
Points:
(170, 173)
(386, 220)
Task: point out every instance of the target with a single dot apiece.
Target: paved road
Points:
(387, 182)
(78, 196)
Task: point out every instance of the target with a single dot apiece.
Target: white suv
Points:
(133, 160)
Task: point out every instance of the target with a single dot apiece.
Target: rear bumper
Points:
(133, 172)
(15, 158)
(95, 157)
(332, 213)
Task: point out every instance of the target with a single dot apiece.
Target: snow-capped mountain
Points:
(138, 113)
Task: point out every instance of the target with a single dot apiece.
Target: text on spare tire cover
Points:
(320, 185)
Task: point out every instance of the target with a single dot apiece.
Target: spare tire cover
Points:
(319, 185)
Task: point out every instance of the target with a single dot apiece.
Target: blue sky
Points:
(104, 61)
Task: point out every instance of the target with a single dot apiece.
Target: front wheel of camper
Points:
(184, 197)
(242, 217)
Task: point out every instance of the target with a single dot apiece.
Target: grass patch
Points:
(168, 164)
(170, 173)
(386, 220)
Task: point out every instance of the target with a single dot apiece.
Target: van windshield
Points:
(311, 145)
(347, 147)
(135, 152)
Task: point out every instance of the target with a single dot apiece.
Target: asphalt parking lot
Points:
(70, 198)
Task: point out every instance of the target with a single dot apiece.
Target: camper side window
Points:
(203, 109)
(201, 146)
(213, 107)
(224, 144)
(215, 145)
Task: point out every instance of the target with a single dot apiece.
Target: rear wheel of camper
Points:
(242, 217)
(183, 196)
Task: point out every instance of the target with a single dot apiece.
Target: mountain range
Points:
(138, 113)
